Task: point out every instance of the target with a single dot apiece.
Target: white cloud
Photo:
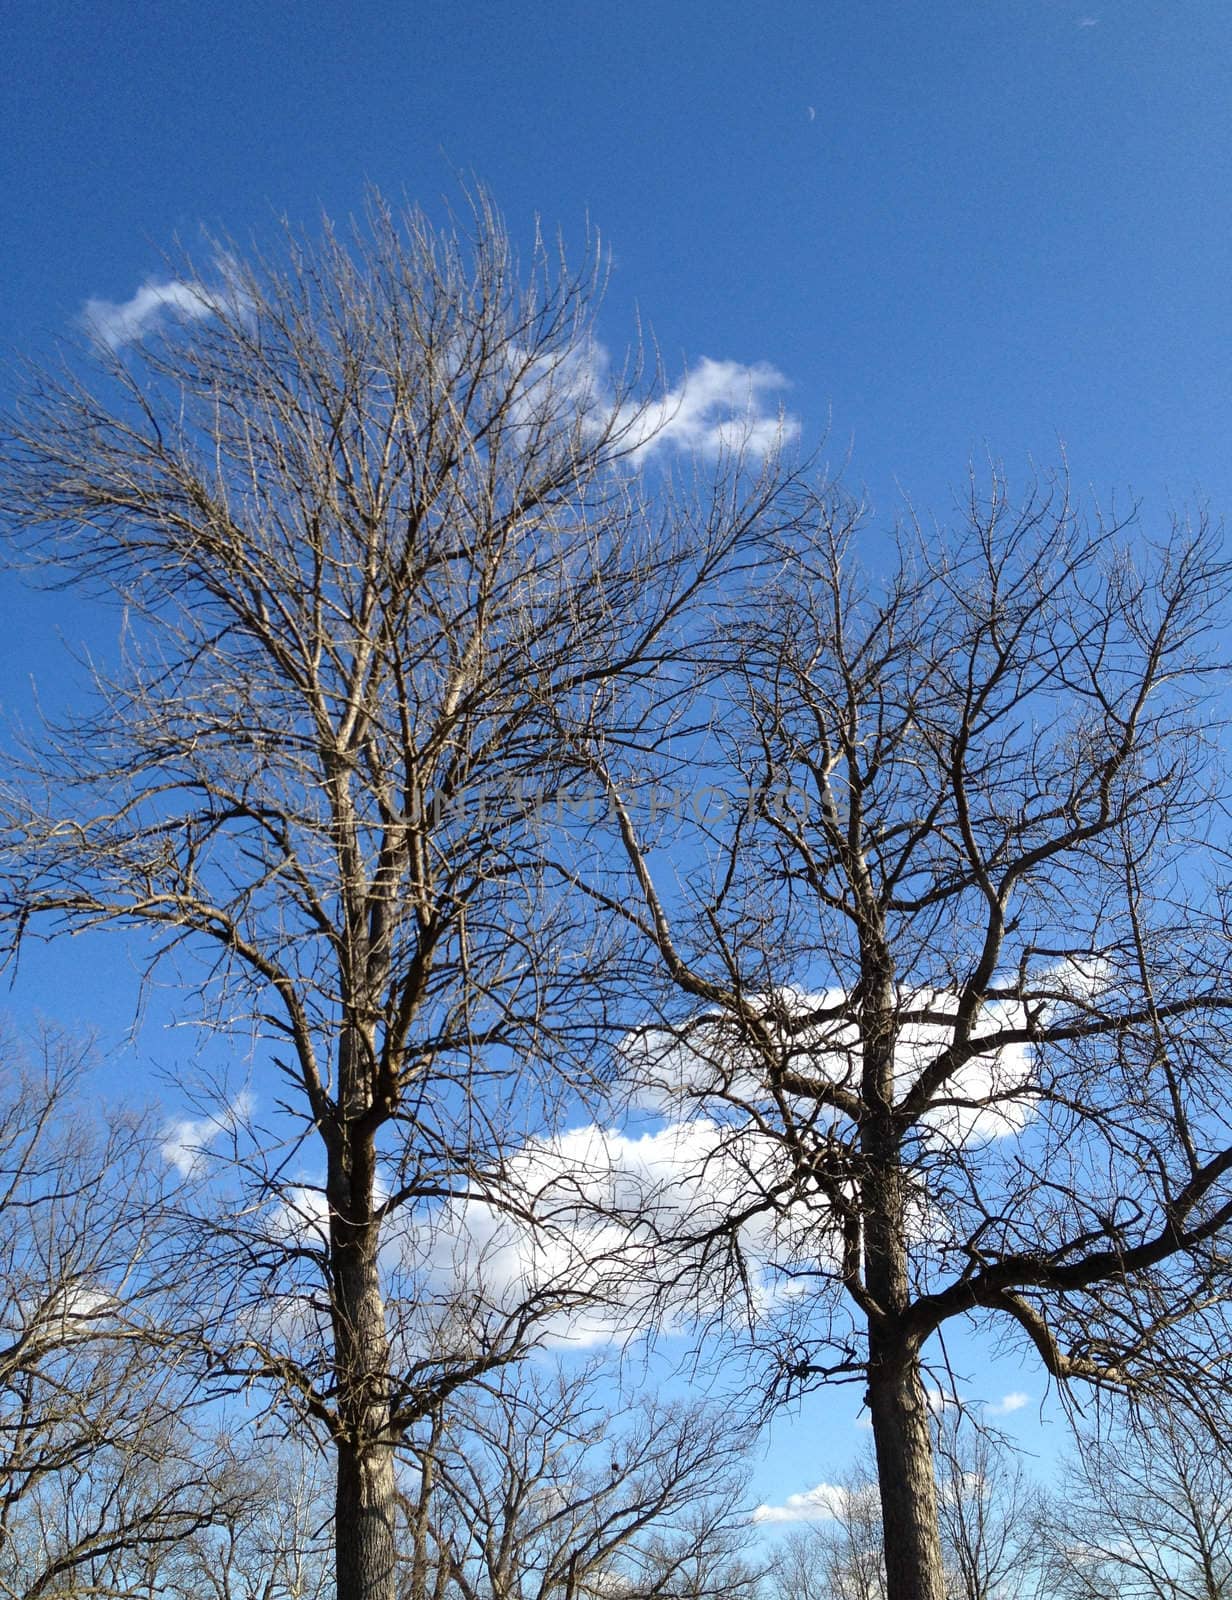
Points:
(823, 1503)
(1014, 1401)
(186, 1141)
(610, 1197)
(112, 323)
(613, 1195)
(1080, 979)
(717, 406)
(67, 1314)
(696, 1069)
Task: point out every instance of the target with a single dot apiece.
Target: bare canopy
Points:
(372, 510)
(946, 987)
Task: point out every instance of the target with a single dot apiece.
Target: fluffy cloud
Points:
(606, 1202)
(823, 1503)
(693, 1070)
(717, 406)
(113, 323)
(605, 1199)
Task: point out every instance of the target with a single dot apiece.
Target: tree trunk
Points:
(899, 1406)
(366, 1502)
(421, 1527)
(901, 1434)
(365, 1521)
(911, 1533)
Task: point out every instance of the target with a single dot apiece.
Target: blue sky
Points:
(1005, 222)
(958, 229)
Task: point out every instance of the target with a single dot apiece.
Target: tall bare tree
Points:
(945, 965)
(370, 509)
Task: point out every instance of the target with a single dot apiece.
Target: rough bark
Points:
(366, 1501)
(900, 1417)
(365, 1511)
(896, 1398)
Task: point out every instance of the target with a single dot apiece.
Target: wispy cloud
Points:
(187, 1140)
(823, 1503)
(1014, 1401)
(113, 323)
(717, 407)
(1088, 22)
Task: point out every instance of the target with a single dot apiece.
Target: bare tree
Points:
(946, 973)
(988, 1508)
(537, 1489)
(371, 510)
(842, 1556)
(100, 1469)
(989, 1514)
(271, 1538)
(1144, 1513)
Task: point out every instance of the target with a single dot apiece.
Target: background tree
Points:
(988, 1508)
(101, 1471)
(1144, 1510)
(272, 1538)
(537, 1487)
(989, 1513)
(366, 514)
(842, 1556)
(945, 975)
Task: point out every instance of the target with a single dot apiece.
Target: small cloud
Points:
(1014, 1401)
(1087, 22)
(186, 1141)
(722, 405)
(823, 1503)
(717, 406)
(112, 323)
(1082, 977)
(812, 113)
